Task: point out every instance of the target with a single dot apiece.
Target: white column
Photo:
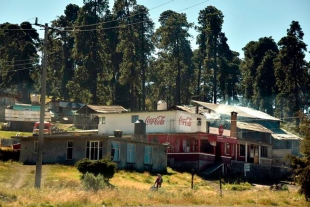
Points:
(259, 150)
(246, 152)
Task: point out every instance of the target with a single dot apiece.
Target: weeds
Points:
(62, 187)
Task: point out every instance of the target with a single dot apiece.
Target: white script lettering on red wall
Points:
(160, 120)
(185, 121)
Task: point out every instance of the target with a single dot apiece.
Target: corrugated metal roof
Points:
(107, 109)
(286, 136)
(191, 109)
(242, 111)
(253, 127)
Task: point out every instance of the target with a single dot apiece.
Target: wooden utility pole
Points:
(42, 110)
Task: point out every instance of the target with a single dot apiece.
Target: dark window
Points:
(35, 147)
(115, 151)
(148, 152)
(94, 150)
(206, 147)
(241, 150)
(264, 151)
(134, 118)
(69, 150)
(198, 121)
(131, 153)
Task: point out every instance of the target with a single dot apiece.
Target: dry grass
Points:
(61, 187)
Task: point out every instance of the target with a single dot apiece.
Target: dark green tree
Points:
(291, 73)
(171, 38)
(62, 34)
(88, 51)
(210, 20)
(301, 165)
(19, 58)
(143, 30)
(228, 76)
(258, 83)
(136, 46)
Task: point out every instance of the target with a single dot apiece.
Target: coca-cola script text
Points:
(185, 121)
(160, 120)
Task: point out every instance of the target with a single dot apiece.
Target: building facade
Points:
(126, 152)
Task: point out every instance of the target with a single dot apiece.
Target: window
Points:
(198, 121)
(115, 151)
(69, 150)
(134, 118)
(60, 110)
(35, 147)
(94, 150)
(241, 150)
(131, 153)
(227, 148)
(264, 151)
(101, 120)
(148, 151)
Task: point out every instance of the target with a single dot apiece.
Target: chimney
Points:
(233, 124)
(197, 109)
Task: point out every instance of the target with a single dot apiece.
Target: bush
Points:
(9, 154)
(105, 167)
(93, 182)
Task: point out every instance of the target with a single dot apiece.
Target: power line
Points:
(15, 70)
(7, 61)
(100, 23)
(62, 29)
(17, 64)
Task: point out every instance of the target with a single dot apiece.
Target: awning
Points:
(217, 138)
(225, 139)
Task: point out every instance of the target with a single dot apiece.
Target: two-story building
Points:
(205, 135)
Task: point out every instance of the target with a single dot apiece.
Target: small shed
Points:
(87, 116)
(63, 111)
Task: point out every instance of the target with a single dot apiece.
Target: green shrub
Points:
(93, 182)
(105, 167)
(9, 154)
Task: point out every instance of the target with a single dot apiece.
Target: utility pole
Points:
(42, 109)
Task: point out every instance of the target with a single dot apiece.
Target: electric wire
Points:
(7, 61)
(62, 29)
(100, 23)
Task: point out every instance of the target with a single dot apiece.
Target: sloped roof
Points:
(105, 109)
(253, 127)
(286, 136)
(190, 109)
(242, 111)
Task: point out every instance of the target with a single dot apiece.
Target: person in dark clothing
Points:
(158, 181)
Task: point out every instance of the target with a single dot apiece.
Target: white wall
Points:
(30, 116)
(156, 122)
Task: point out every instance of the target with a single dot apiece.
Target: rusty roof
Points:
(106, 109)
(242, 111)
(253, 127)
(286, 136)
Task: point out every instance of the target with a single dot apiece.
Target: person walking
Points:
(158, 181)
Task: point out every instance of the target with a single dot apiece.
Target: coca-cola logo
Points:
(185, 121)
(160, 120)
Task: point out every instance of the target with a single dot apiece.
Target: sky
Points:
(244, 20)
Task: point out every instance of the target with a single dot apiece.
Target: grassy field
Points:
(8, 134)
(61, 187)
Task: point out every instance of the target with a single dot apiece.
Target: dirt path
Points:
(22, 175)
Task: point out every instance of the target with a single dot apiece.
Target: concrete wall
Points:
(261, 173)
(55, 151)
